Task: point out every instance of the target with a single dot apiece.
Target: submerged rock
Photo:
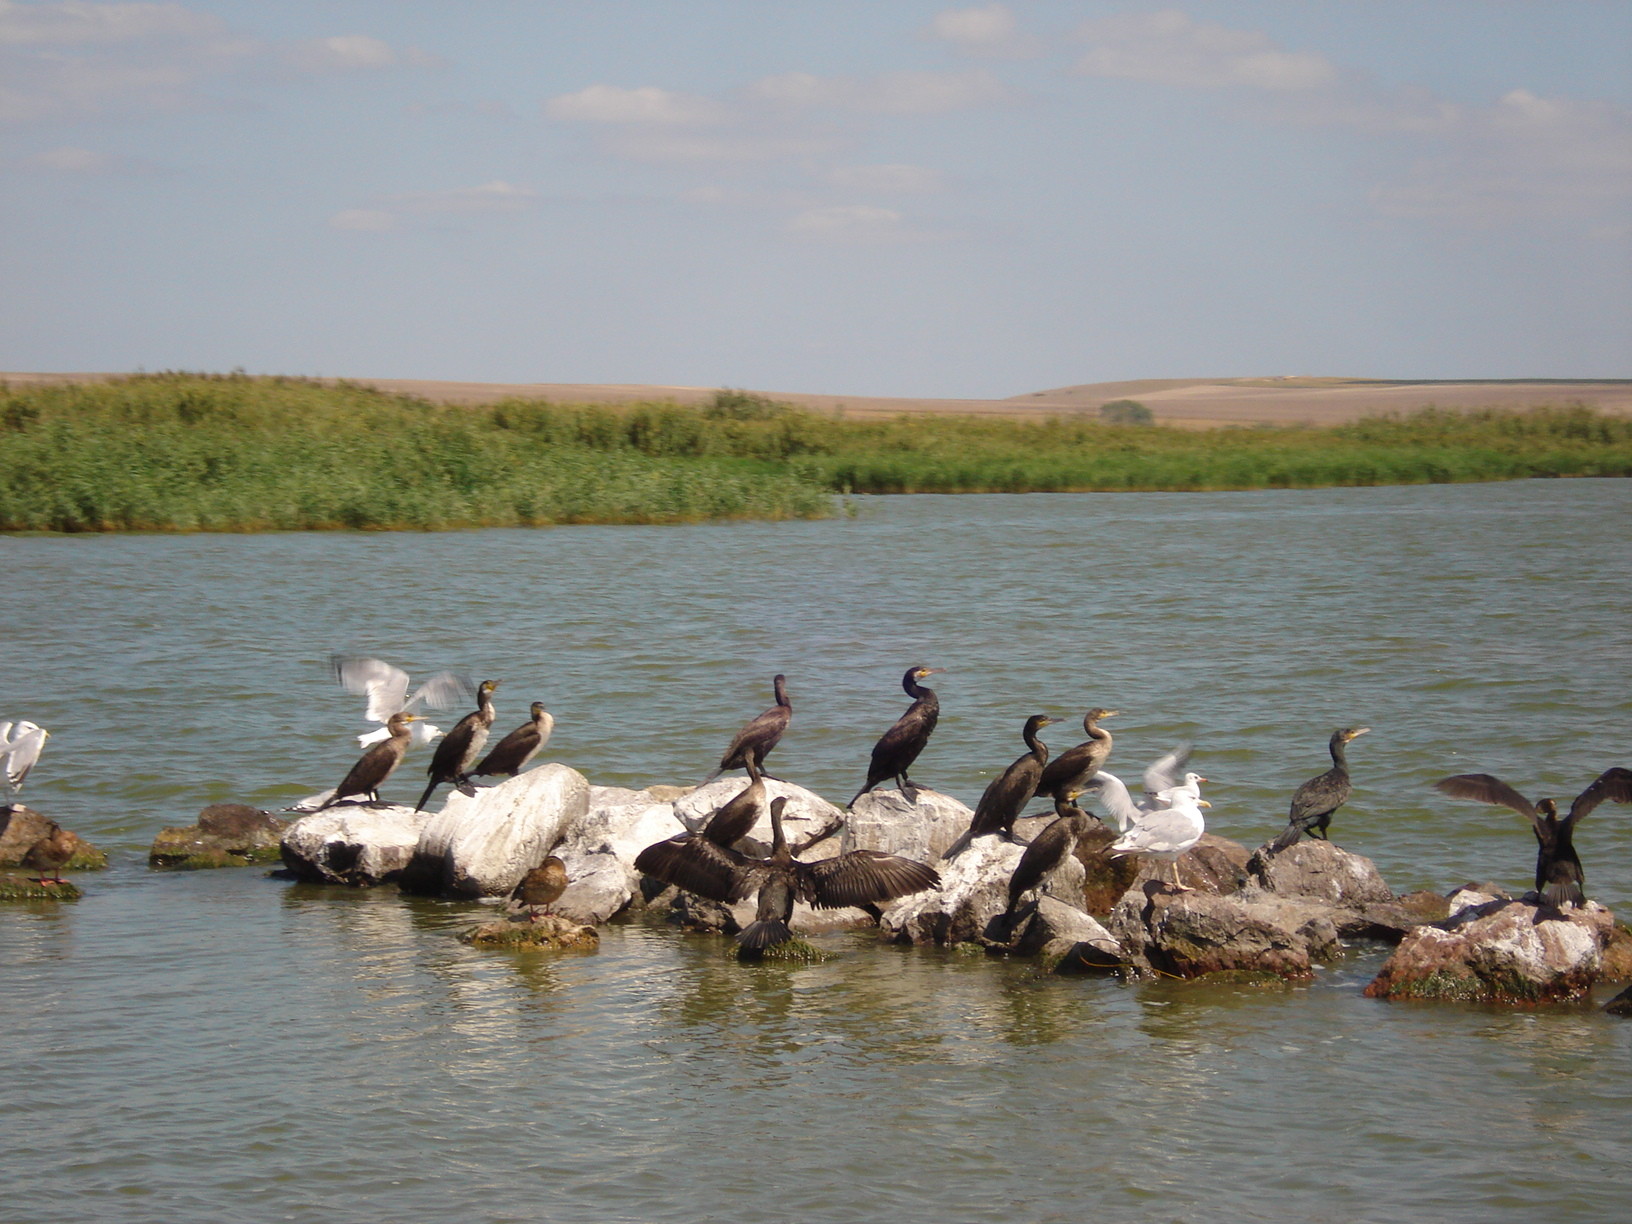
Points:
(551, 932)
(481, 845)
(225, 835)
(21, 827)
(29, 888)
(1497, 950)
(355, 844)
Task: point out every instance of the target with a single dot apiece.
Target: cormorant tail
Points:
(766, 933)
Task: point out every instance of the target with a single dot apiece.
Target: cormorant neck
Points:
(1340, 757)
(781, 686)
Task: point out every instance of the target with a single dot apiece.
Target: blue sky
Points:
(884, 198)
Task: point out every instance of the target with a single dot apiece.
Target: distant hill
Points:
(1198, 402)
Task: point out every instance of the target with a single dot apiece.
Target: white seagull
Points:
(20, 745)
(386, 688)
(1166, 832)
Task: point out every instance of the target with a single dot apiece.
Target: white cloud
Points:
(893, 179)
(1169, 48)
(891, 93)
(614, 104)
(344, 52)
(847, 221)
(365, 220)
(78, 23)
(991, 26)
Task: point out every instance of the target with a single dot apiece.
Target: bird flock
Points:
(718, 861)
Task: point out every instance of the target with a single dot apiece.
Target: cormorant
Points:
(899, 747)
(459, 747)
(386, 688)
(1166, 833)
(1005, 797)
(513, 752)
(20, 746)
(377, 764)
(1314, 802)
(1047, 851)
(1069, 772)
(760, 735)
(543, 885)
(860, 878)
(50, 852)
(1559, 878)
(735, 819)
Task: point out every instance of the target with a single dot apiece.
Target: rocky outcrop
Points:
(549, 932)
(1317, 872)
(1497, 950)
(973, 894)
(1063, 935)
(1214, 865)
(481, 845)
(599, 851)
(225, 835)
(805, 815)
(29, 888)
(21, 827)
(920, 828)
(353, 844)
(1189, 934)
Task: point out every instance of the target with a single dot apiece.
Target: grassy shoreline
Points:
(187, 452)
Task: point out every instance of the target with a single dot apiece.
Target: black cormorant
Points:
(377, 764)
(512, 753)
(1314, 802)
(1050, 848)
(1559, 878)
(760, 735)
(1069, 772)
(458, 749)
(899, 747)
(1005, 796)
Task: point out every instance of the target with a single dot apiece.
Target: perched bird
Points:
(899, 747)
(1069, 772)
(20, 746)
(861, 878)
(1559, 878)
(543, 885)
(460, 747)
(1166, 832)
(1047, 851)
(50, 852)
(377, 764)
(735, 819)
(1160, 787)
(1006, 795)
(1314, 802)
(386, 688)
(755, 741)
(520, 746)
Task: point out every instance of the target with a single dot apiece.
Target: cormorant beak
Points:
(1358, 732)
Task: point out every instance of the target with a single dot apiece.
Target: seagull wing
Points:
(27, 740)
(1113, 793)
(444, 691)
(386, 687)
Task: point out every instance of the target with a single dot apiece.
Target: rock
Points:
(1189, 934)
(1617, 962)
(225, 835)
(1059, 931)
(481, 846)
(1621, 1004)
(1322, 871)
(21, 827)
(354, 844)
(1214, 865)
(974, 892)
(28, 888)
(551, 932)
(921, 828)
(1497, 950)
(599, 851)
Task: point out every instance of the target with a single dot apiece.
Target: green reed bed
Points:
(193, 453)
(179, 452)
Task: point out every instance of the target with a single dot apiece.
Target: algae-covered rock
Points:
(549, 931)
(1497, 950)
(28, 888)
(225, 835)
(21, 827)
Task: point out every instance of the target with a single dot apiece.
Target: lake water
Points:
(220, 1046)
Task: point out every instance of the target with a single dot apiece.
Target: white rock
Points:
(888, 821)
(974, 890)
(353, 843)
(600, 848)
(805, 815)
(481, 846)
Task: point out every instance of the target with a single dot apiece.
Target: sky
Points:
(864, 197)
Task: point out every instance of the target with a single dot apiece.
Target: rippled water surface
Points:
(224, 1047)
